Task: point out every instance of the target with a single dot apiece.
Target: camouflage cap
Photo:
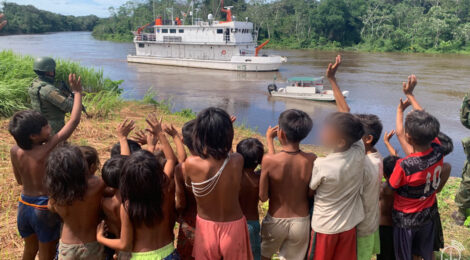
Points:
(44, 64)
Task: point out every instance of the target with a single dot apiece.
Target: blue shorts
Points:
(418, 241)
(35, 218)
(255, 238)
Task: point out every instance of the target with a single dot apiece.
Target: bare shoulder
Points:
(236, 157)
(192, 164)
(15, 152)
(269, 159)
(96, 185)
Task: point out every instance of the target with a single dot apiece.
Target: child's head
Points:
(29, 128)
(389, 165)
(141, 186)
(111, 171)
(447, 145)
(252, 151)
(294, 126)
(133, 146)
(372, 129)
(213, 134)
(421, 128)
(341, 130)
(66, 171)
(188, 130)
(91, 157)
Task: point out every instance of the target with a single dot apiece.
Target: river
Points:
(373, 79)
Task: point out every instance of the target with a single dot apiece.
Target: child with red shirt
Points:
(415, 180)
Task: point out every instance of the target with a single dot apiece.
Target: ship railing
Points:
(146, 37)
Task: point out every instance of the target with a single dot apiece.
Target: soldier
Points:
(462, 199)
(46, 98)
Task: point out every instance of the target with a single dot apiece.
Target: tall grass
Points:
(102, 95)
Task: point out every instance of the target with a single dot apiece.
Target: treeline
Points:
(29, 19)
(382, 25)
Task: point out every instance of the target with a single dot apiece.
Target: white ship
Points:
(223, 45)
(306, 88)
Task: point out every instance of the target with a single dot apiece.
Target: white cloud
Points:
(74, 7)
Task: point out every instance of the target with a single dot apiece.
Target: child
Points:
(39, 228)
(91, 157)
(215, 177)
(367, 231)
(284, 181)
(185, 201)
(415, 180)
(147, 208)
(252, 151)
(387, 251)
(125, 146)
(75, 194)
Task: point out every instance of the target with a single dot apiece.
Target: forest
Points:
(28, 19)
(372, 25)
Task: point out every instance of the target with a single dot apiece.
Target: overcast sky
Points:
(74, 7)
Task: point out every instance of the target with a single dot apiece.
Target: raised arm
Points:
(387, 137)
(408, 88)
(341, 103)
(400, 131)
(271, 133)
(156, 129)
(71, 125)
(123, 131)
(124, 242)
(180, 195)
(178, 140)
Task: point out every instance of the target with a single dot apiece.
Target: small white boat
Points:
(306, 88)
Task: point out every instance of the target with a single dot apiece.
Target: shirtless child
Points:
(91, 157)
(75, 195)
(284, 181)
(252, 151)
(32, 135)
(215, 177)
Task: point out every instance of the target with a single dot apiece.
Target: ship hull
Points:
(237, 63)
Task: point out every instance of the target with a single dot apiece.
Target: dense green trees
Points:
(383, 25)
(29, 19)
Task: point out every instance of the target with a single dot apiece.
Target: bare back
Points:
(161, 233)
(249, 194)
(222, 203)
(386, 205)
(29, 167)
(288, 183)
(111, 208)
(82, 217)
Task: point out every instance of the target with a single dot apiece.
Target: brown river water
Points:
(373, 79)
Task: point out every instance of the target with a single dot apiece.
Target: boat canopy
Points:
(304, 79)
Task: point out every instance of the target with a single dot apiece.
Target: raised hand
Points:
(125, 128)
(403, 105)
(388, 136)
(233, 119)
(75, 84)
(155, 124)
(2, 23)
(409, 86)
(101, 230)
(332, 68)
(170, 130)
(271, 133)
(140, 137)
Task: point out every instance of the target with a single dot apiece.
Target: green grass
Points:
(102, 95)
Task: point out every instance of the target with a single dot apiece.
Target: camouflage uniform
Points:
(53, 103)
(462, 198)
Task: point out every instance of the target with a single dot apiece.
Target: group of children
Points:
(333, 207)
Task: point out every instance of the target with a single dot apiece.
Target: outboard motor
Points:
(272, 87)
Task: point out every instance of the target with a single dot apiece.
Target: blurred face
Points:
(332, 139)
(43, 136)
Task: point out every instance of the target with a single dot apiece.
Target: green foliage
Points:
(16, 75)
(186, 113)
(29, 19)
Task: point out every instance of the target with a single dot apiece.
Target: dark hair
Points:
(188, 130)
(25, 123)
(90, 154)
(252, 151)
(65, 175)
(296, 124)
(389, 165)
(133, 146)
(447, 145)
(111, 171)
(141, 185)
(213, 134)
(348, 125)
(372, 126)
(421, 127)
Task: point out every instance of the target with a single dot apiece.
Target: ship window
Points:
(172, 30)
(164, 30)
(220, 31)
(141, 45)
(158, 30)
(181, 31)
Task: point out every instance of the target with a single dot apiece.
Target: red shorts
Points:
(333, 247)
(222, 240)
